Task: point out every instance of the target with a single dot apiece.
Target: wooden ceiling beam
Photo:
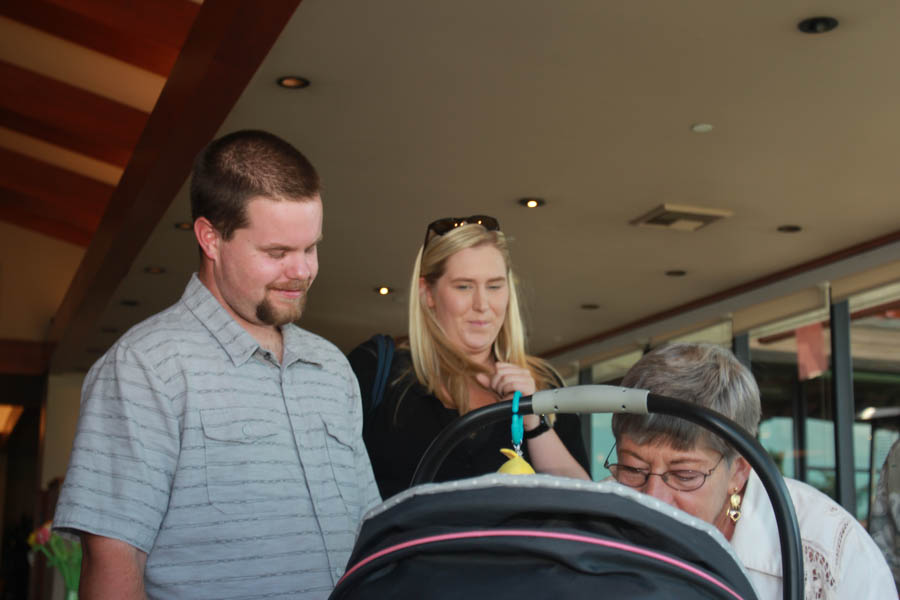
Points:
(165, 21)
(140, 32)
(68, 116)
(50, 200)
(14, 212)
(80, 218)
(52, 190)
(229, 40)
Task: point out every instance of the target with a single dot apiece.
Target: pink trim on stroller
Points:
(543, 534)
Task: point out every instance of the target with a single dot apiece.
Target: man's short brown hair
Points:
(243, 165)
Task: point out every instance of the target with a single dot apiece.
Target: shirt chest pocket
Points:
(251, 461)
(339, 443)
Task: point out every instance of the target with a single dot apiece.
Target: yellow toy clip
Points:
(516, 465)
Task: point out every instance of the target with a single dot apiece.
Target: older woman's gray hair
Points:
(703, 374)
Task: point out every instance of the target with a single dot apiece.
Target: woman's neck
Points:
(484, 358)
(479, 396)
(726, 526)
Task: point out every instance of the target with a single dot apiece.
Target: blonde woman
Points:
(466, 350)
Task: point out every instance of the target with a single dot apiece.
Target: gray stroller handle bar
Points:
(607, 398)
(590, 399)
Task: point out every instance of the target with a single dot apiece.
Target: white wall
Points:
(35, 272)
(63, 400)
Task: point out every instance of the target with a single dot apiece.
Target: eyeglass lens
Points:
(683, 480)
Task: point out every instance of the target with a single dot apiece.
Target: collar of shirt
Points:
(234, 339)
(755, 538)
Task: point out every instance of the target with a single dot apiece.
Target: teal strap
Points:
(518, 425)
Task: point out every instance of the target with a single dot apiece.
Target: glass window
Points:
(790, 361)
(875, 349)
(608, 372)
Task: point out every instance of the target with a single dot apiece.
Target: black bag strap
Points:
(385, 355)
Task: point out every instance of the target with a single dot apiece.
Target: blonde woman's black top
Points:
(403, 425)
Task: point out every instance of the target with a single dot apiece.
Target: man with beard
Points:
(218, 451)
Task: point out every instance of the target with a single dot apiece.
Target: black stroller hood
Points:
(537, 536)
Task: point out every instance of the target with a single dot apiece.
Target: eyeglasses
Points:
(679, 479)
(442, 226)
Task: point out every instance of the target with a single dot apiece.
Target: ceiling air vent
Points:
(681, 217)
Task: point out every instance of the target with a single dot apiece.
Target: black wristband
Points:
(543, 427)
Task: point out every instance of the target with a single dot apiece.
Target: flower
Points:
(62, 553)
(42, 535)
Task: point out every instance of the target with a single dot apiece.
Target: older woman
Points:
(466, 350)
(688, 467)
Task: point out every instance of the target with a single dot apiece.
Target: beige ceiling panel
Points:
(572, 368)
(60, 157)
(614, 367)
(714, 331)
(842, 289)
(804, 301)
(78, 66)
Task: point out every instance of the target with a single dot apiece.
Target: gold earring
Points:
(734, 512)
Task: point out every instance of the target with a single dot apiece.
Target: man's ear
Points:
(208, 238)
(425, 292)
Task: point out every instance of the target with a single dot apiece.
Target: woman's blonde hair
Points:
(439, 365)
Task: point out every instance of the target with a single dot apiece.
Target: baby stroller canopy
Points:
(537, 536)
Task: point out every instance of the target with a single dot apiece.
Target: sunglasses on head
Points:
(442, 226)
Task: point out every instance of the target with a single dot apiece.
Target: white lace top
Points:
(840, 560)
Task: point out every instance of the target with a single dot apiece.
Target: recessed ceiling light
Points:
(184, 225)
(293, 82)
(676, 273)
(701, 127)
(154, 270)
(383, 290)
(532, 202)
(817, 24)
(129, 302)
(789, 228)
(589, 306)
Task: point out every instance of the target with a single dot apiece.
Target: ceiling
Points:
(419, 110)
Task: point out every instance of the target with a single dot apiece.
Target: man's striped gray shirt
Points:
(239, 476)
